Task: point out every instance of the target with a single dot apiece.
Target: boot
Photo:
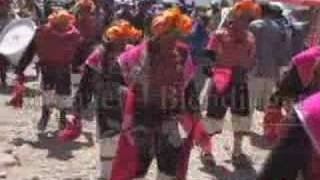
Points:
(43, 122)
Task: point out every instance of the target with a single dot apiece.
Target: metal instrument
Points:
(15, 38)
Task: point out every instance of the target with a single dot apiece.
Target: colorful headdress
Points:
(61, 19)
(86, 6)
(246, 8)
(171, 20)
(121, 30)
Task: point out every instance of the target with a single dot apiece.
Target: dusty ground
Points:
(26, 156)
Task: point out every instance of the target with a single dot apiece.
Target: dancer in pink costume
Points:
(102, 82)
(161, 103)
(56, 44)
(298, 149)
(227, 85)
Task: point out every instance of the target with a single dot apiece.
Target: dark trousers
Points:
(57, 79)
(151, 139)
(236, 97)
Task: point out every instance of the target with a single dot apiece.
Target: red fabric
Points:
(184, 157)
(309, 111)
(165, 63)
(126, 163)
(197, 132)
(221, 78)
(17, 95)
(202, 137)
(309, 114)
(95, 59)
(271, 124)
(5, 4)
(314, 170)
(198, 135)
(129, 111)
(56, 48)
(304, 62)
(72, 130)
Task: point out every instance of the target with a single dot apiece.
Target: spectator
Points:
(266, 71)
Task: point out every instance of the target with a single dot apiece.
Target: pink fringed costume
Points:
(159, 115)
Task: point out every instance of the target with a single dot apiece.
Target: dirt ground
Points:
(24, 155)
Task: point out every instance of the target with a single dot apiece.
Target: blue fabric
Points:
(198, 39)
(272, 48)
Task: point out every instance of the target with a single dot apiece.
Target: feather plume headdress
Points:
(171, 20)
(121, 30)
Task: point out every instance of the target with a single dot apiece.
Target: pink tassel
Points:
(126, 163)
(17, 95)
(221, 78)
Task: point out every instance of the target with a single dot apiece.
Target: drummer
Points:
(55, 43)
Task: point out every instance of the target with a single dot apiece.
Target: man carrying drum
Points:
(55, 43)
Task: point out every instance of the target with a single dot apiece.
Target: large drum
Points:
(15, 38)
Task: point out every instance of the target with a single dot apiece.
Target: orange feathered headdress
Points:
(61, 19)
(247, 8)
(121, 30)
(171, 19)
(86, 6)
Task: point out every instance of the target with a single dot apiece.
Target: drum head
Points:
(15, 38)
